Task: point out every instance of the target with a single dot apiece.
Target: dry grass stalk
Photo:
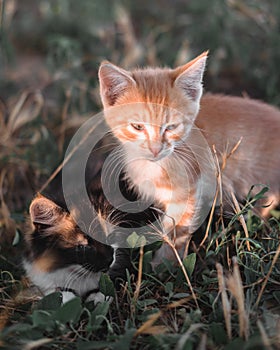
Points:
(68, 157)
(16, 301)
(149, 328)
(5, 215)
(202, 344)
(264, 336)
(140, 270)
(178, 303)
(225, 300)
(219, 183)
(7, 222)
(15, 115)
(226, 156)
(258, 15)
(7, 12)
(167, 240)
(234, 284)
(275, 258)
(26, 109)
(61, 139)
(171, 243)
(241, 219)
(218, 190)
(133, 51)
(5, 313)
(12, 119)
(36, 344)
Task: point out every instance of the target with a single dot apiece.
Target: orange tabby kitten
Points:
(153, 111)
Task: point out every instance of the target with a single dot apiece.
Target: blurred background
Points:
(50, 51)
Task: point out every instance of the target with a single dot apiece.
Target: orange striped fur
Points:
(146, 96)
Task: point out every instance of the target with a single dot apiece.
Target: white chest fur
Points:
(73, 277)
(160, 181)
(144, 174)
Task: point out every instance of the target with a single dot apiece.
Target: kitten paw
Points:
(98, 298)
(67, 296)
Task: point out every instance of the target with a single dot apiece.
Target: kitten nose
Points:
(155, 148)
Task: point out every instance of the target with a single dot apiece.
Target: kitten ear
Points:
(189, 77)
(44, 211)
(114, 81)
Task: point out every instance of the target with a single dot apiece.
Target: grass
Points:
(236, 301)
(234, 274)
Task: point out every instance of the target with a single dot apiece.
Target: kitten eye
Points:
(138, 127)
(171, 127)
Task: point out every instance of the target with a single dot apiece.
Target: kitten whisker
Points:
(191, 170)
(69, 280)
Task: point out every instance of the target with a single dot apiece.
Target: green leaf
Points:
(106, 286)
(135, 241)
(125, 340)
(169, 288)
(180, 295)
(147, 259)
(24, 332)
(258, 195)
(43, 319)
(69, 312)
(275, 213)
(50, 302)
(146, 302)
(18, 327)
(169, 266)
(189, 263)
(218, 333)
(237, 343)
(262, 192)
(98, 316)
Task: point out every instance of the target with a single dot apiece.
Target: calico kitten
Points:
(59, 256)
(157, 110)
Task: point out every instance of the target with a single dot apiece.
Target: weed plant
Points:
(49, 55)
